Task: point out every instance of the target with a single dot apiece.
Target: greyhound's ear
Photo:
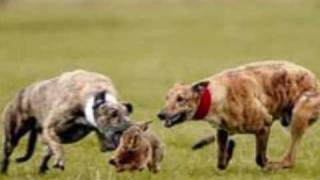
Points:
(145, 126)
(101, 94)
(128, 106)
(99, 99)
(199, 87)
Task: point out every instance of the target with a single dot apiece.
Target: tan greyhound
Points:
(248, 100)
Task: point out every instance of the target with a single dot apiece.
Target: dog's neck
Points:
(93, 103)
(204, 104)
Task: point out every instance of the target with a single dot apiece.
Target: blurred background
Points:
(146, 46)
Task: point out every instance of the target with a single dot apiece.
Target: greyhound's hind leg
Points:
(305, 112)
(13, 134)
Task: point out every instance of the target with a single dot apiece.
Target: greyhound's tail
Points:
(204, 142)
(30, 147)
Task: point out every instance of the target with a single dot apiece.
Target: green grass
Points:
(147, 47)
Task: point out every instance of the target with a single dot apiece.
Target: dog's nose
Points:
(112, 162)
(161, 116)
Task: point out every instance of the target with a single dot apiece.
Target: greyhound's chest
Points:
(214, 121)
(234, 126)
(72, 132)
(221, 123)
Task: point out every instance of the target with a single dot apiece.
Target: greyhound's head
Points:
(182, 103)
(109, 118)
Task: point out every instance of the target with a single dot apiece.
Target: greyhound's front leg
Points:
(52, 140)
(45, 159)
(262, 137)
(225, 149)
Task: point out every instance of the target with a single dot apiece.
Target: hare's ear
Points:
(145, 126)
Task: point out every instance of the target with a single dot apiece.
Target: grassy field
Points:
(146, 47)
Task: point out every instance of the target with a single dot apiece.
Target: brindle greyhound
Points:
(64, 110)
(248, 100)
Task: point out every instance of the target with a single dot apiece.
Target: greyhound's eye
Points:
(180, 99)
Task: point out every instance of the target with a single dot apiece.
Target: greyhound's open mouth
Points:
(112, 141)
(112, 136)
(176, 119)
(116, 139)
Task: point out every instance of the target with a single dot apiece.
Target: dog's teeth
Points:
(168, 123)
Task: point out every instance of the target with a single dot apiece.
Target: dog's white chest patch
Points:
(89, 112)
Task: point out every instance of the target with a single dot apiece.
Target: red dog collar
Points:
(204, 105)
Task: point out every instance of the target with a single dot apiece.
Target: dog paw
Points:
(198, 145)
(59, 165)
(274, 166)
(43, 169)
(222, 166)
(261, 161)
(21, 159)
(4, 165)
